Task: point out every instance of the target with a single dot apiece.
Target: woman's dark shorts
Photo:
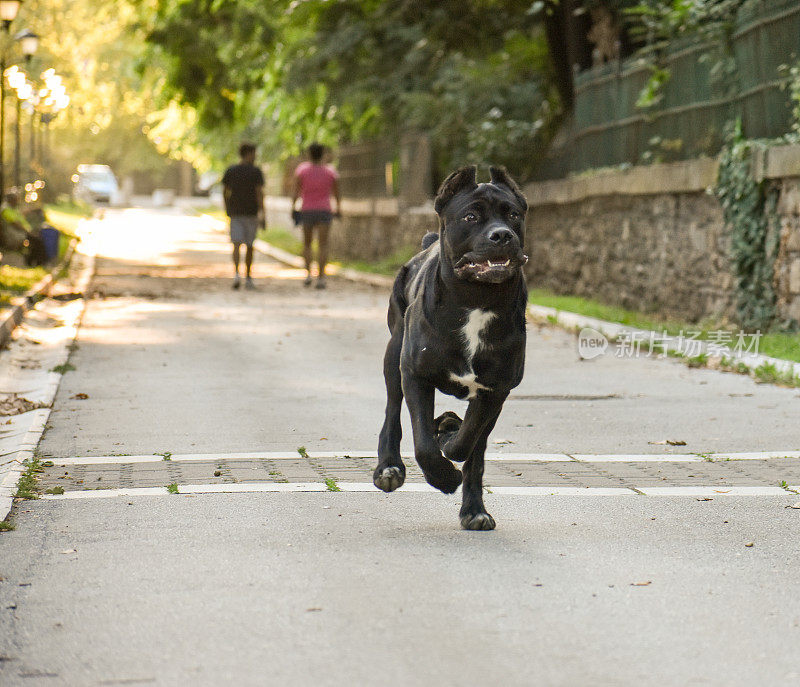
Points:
(309, 217)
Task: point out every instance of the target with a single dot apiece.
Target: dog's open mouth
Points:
(493, 270)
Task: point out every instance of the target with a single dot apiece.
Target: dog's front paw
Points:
(389, 479)
(446, 480)
(477, 521)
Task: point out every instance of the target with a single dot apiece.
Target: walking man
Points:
(243, 190)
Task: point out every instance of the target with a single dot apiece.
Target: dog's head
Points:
(482, 226)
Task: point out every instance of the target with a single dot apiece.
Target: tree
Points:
(475, 74)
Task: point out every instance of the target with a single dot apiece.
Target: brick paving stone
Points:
(498, 473)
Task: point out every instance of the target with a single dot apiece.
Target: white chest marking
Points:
(471, 332)
(468, 380)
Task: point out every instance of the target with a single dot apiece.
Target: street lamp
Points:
(19, 82)
(17, 79)
(51, 100)
(8, 13)
(28, 43)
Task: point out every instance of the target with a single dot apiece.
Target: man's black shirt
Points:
(241, 180)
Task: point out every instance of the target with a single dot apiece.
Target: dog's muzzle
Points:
(497, 259)
(491, 270)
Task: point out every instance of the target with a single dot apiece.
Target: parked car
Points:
(95, 184)
(206, 183)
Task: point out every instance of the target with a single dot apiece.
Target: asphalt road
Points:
(366, 588)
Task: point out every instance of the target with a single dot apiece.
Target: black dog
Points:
(457, 318)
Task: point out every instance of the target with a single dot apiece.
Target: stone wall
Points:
(647, 238)
(374, 229)
(787, 265)
(665, 253)
(653, 238)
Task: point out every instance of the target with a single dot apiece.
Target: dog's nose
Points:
(501, 236)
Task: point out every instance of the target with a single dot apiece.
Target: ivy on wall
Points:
(749, 209)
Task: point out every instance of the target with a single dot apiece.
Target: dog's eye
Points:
(513, 215)
(471, 217)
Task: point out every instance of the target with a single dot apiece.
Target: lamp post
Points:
(52, 99)
(29, 42)
(24, 93)
(8, 12)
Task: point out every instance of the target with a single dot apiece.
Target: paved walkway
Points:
(618, 560)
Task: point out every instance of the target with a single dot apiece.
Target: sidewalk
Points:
(618, 559)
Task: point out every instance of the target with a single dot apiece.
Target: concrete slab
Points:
(291, 589)
(176, 361)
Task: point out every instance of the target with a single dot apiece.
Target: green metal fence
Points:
(700, 97)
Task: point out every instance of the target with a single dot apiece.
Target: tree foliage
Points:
(90, 43)
(476, 75)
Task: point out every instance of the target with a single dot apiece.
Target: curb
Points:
(13, 463)
(573, 321)
(21, 304)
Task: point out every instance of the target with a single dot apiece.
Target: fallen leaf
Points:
(80, 397)
(70, 551)
(704, 499)
(312, 609)
(641, 584)
(503, 441)
(750, 544)
(668, 442)
(795, 505)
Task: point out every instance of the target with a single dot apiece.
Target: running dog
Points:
(457, 322)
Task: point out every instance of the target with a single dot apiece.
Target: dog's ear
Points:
(461, 180)
(499, 175)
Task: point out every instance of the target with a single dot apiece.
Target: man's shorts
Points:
(243, 229)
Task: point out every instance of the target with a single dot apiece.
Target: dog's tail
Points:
(429, 239)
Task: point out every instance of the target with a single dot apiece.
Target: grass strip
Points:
(784, 345)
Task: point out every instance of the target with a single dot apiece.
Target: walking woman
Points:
(315, 183)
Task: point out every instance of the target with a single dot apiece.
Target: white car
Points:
(95, 184)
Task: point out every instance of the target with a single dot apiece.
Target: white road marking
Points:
(253, 487)
(528, 457)
(416, 487)
(756, 456)
(713, 491)
(636, 458)
(508, 457)
(562, 491)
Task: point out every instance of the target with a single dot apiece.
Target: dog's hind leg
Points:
(473, 513)
(447, 426)
(439, 472)
(390, 472)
